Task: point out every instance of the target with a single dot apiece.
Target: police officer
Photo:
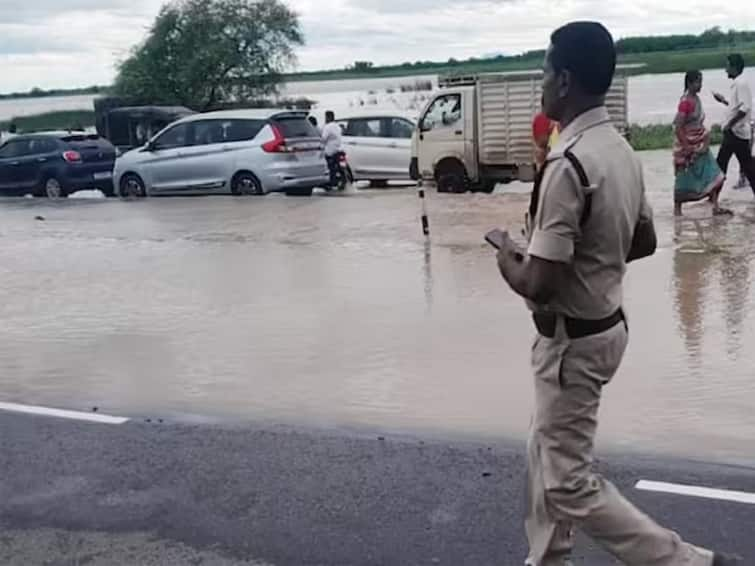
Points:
(588, 218)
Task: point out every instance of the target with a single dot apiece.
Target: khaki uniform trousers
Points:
(563, 492)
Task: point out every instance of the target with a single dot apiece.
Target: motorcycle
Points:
(344, 174)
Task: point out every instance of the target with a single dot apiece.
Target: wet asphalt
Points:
(150, 493)
(234, 321)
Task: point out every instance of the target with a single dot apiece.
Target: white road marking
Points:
(61, 414)
(694, 491)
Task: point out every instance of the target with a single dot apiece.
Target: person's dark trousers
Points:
(332, 161)
(732, 145)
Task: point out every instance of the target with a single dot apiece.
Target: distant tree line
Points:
(709, 39)
(37, 92)
(713, 38)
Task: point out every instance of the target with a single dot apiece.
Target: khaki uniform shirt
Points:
(595, 252)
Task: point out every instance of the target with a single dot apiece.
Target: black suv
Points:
(56, 164)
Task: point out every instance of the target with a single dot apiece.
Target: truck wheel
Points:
(451, 177)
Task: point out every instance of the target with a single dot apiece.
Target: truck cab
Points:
(444, 141)
(476, 131)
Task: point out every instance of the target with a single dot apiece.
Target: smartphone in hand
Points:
(496, 238)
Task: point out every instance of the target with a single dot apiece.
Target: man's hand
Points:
(509, 251)
(720, 98)
(530, 277)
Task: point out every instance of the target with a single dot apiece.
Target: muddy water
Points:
(335, 311)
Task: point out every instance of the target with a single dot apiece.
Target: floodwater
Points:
(335, 311)
(652, 98)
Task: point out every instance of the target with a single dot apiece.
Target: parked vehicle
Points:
(55, 164)
(477, 131)
(243, 152)
(379, 146)
(127, 127)
(345, 176)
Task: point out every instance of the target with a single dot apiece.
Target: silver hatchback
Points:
(242, 152)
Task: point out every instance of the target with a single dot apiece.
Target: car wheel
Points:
(245, 183)
(451, 177)
(132, 186)
(378, 184)
(53, 189)
(300, 192)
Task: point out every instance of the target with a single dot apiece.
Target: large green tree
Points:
(203, 53)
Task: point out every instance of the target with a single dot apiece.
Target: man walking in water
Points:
(737, 128)
(588, 217)
(332, 141)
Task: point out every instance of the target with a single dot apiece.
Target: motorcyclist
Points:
(331, 140)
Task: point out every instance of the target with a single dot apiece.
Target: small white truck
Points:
(476, 131)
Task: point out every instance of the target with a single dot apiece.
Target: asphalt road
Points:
(142, 493)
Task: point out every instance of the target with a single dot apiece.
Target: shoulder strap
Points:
(583, 180)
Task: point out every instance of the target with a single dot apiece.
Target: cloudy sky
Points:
(70, 43)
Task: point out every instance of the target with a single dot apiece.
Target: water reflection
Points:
(711, 265)
(338, 311)
(428, 273)
(735, 286)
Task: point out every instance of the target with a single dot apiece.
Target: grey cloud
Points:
(33, 44)
(417, 6)
(35, 11)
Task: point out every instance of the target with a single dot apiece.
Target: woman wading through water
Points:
(698, 175)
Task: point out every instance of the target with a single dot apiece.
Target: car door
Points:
(12, 154)
(441, 132)
(37, 164)
(400, 131)
(366, 145)
(164, 166)
(207, 162)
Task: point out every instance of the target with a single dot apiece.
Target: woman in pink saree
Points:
(698, 175)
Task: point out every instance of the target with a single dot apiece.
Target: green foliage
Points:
(709, 39)
(40, 93)
(661, 136)
(203, 53)
(362, 66)
(659, 54)
(63, 120)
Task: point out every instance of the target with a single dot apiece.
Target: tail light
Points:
(277, 144)
(72, 157)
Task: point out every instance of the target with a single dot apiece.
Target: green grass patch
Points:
(63, 120)
(661, 136)
(653, 63)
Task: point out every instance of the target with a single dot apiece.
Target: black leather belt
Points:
(575, 327)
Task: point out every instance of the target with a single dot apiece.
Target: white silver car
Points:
(378, 146)
(242, 152)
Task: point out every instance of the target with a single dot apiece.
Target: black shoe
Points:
(727, 560)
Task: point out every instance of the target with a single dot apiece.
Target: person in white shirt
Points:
(743, 183)
(737, 130)
(331, 140)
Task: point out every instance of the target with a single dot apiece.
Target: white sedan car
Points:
(378, 146)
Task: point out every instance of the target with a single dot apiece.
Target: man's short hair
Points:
(587, 51)
(737, 61)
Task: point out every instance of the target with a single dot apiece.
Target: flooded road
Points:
(334, 311)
